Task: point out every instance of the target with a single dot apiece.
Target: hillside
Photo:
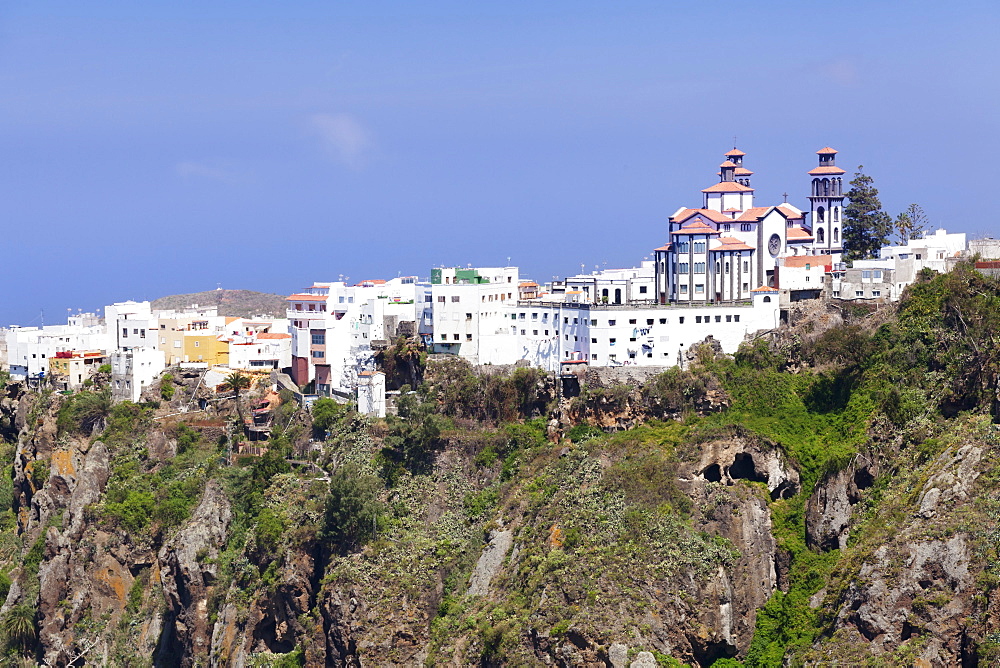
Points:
(828, 496)
(232, 303)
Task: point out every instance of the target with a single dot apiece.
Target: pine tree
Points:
(866, 225)
(911, 224)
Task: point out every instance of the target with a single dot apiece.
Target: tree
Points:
(326, 413)
(18, 627)
(866, 225)
(352, 508)
(236, 382)
(910, 224)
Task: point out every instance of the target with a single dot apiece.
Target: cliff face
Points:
(816, 500)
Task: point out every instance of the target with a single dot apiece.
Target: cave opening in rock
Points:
(743, 468)
(713, 473)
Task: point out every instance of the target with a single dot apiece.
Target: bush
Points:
(167, 387)
(326, 414)
(352, 508)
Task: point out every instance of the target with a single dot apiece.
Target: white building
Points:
(551, 332)
(331, 325)
(259, 344)
(728, 247)
(371, 393)
(29, 349)
(133, 347)
(472, 313)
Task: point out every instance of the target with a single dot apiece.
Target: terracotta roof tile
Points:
(665, 247)
(728, 163)
(731, 244)
(811, 260)
(754, 213)
(742, 171)
(696, 227)
(764, 288)
(735, 152)
(797, 234)
(819, 171)
(274, 335)
(728, 187)
(711, 214)
(789, 212)
(307, 298)
(826, 150)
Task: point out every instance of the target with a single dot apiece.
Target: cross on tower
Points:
(785, 195)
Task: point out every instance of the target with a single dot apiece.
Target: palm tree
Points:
(237, 381)
(18, 627)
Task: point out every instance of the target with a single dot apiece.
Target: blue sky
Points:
(159, 148)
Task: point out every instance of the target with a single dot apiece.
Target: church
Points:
(727, 248)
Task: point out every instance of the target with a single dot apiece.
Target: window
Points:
(142, 333)
(876, 293)
(663, 321)
(699, 288)
(746, 287)
(699, 247)
(318, 354)
(836, 293)
(632, 339)
(631, 321)
(177, 344)
(534, 316)
(859, 293)
(440, 299)
(729, 318)
(642, 289)
(680, 320)
(697, 319)
(718, 318)
(534, 332)
(163, 340)
(468, 316)
(807, 279)
(682, 247)
(767, 299)
(593, 340)
(727, 267)
(318, 339)
(593, 323)
(612, 341)
(575, 321)
(125, 332)
(683, 267)
(746, 266)
(522, 332)
(718, 267)
(807, 266)
(611, 323)
(547, 333)
(593, 356)
(455, 336)
(197, 344)
(736, 318)
(746, 227)
(725, 227)
(428, 298)
(684, 289)
(699, 267)
(649, 321)
(454, 298)
(565, 320)
(520, 316)
(877, 274)
(866, 273)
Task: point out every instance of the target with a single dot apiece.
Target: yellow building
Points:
(73, 367)
(206, 347)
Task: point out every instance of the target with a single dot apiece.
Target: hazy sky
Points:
(158, 148)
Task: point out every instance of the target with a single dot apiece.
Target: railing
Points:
(631, 306)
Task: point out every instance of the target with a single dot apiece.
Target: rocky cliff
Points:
(830, 495)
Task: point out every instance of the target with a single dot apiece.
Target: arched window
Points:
(826, 186)
(836, 235)
(618, 295)
(821, 215)
(836, 214)
(727, 267)
(767, 299)
(718, 267)
(819, 235)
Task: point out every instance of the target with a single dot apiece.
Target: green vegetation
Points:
(350, 516)
(167, 387)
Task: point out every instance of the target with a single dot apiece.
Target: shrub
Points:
(352, 508)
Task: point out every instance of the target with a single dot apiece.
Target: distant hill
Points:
(235, 303)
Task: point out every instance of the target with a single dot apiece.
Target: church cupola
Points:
(827, 202)
(733, 192)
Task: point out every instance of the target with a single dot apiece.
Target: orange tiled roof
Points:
(696, 227)
(731, 244)
(812, 260)
(307, 298)
(728, 163)
(728, 187)
(789, 212)
(664, 247)
(754, 213)
(274, 335)
(376, 281)
(826, 150)
(797, 234)
(711, 214)
(735, 152)
(819, 171)
(764, 288)
(742, 171)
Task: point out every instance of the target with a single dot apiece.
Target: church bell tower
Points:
(827, 203)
